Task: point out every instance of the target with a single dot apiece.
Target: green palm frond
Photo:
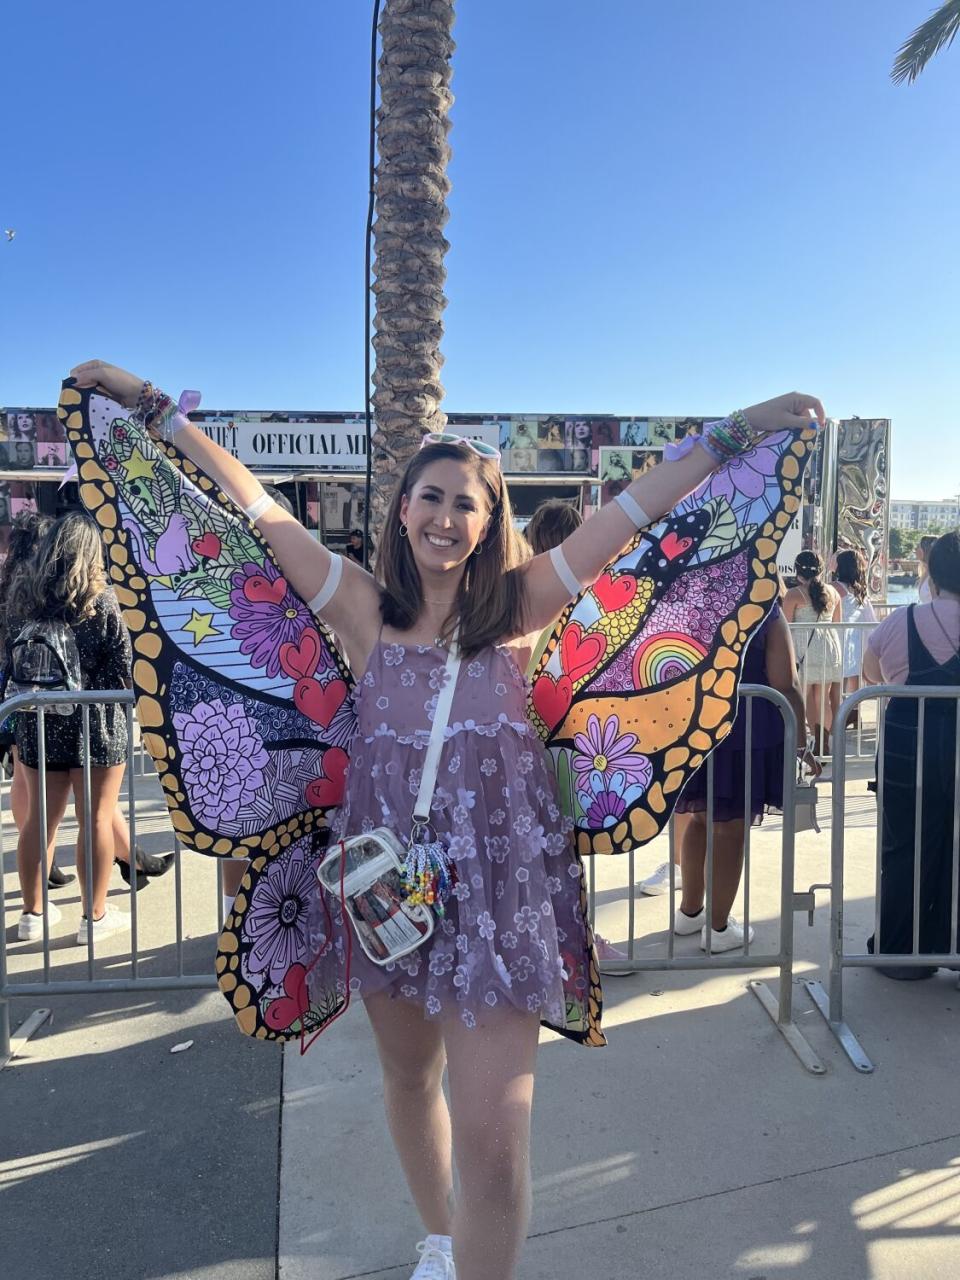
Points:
(936, 33)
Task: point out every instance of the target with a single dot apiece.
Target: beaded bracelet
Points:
(165, 418)
(723, 440)
(144, 401)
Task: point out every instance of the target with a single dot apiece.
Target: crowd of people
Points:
(54, 598)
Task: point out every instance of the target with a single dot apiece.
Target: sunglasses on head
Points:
(450, 437)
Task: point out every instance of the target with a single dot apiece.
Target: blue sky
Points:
(656, 208)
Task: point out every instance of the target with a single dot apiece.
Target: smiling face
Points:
(446, 513)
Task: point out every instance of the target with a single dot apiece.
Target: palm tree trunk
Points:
(412, 185)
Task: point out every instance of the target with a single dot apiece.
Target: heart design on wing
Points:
(552, 698)
(209, 545)
(319, 702)
(580, 654)
(672, 546)
(321, 793)
(614, 592)
(260, 590)
(286, 1009)
(301, 660)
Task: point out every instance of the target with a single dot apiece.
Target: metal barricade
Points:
(808, 639)
(830, 1001)
(779, 1007)
(48, 983)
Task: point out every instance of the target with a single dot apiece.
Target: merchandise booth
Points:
(318, 460)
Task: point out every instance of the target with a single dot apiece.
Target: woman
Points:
(448, 566)
(819, 659)
(919, 646)
(850, 576)
(25, 533)
(67, 584)
(769, 660)
(924, 547)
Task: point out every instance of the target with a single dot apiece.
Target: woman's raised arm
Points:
(550, 581)
(352, 610)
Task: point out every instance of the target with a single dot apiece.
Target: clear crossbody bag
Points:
(392, 892)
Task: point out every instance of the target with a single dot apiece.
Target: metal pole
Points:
(918, 825)
(785, 1012)
(747, 705)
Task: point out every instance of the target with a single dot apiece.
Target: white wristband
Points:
(258, 506)
(564, 572)
(326, 592)
(632, 509)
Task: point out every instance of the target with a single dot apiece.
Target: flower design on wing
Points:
(603, 749)
(747, 474)
(266, 614)
(276, 919)
(222, 758)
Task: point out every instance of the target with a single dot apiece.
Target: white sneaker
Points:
(31, 926)
(659, 881)
(684, 924)
(436, 1259)
(728, 939)
(112, 921)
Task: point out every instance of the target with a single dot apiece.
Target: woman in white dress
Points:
(850, 577)
(819, 660)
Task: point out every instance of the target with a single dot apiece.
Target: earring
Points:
(478, 549)
(403, 530)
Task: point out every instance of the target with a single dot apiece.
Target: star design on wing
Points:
(201, 626)
(138, 467)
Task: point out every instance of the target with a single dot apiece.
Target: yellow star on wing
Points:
(138, 467)
(200, 626)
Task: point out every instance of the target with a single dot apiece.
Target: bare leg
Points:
(491, 1072)
(234, 869)
(104, 795)
(31, 836)
(727, 865)
(19, 792)
(817, 711)
(412, 1058)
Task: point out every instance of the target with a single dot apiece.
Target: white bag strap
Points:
(428, 779)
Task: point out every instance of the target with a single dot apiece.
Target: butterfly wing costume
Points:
(245, 702)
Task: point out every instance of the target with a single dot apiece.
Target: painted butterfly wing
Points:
(638, 683)
(243, 701)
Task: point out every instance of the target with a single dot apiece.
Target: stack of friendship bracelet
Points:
(723, 439)
(160, 415)
(163, 419)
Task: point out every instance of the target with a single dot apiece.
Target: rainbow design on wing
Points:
(666, 657)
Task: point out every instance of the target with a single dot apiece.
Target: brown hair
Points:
(851, 571)
(809, 567)
(945, 563)
(490, 598)
(65, 577)
(552, 521)
(26, 531)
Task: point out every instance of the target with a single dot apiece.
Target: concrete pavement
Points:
(694, 1145)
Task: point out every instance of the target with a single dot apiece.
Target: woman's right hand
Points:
(117, 383)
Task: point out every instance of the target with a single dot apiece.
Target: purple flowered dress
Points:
(514, 931)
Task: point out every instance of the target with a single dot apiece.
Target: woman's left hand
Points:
(116, 382)
(785, 412)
